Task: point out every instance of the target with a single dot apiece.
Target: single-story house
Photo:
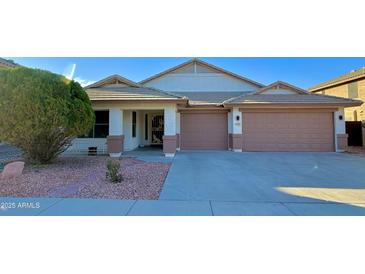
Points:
(198, 106)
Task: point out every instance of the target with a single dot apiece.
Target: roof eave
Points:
(138, 100)
(320, 104)
(316, 89)
(158, 75)
(98, 84)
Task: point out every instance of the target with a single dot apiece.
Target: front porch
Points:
(142, 129)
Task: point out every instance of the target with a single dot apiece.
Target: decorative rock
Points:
(84, 177)
(12, 170)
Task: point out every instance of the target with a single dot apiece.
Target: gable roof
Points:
(200, 62)
(351, 76)
(130, 94)
(282, 85)
(113, 79)
(301, 97)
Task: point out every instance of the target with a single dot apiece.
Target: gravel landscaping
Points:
(84, 177)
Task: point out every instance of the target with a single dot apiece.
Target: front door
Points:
(157, 129)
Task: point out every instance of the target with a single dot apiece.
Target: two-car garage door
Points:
(262, 131)
(288, 131)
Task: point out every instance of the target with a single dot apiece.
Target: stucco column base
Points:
(169, 145)
(237, 142)
(341, 142)
(115, 145)
(230, 141)
(178, 141)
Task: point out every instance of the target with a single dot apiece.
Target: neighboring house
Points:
(350, 85)
(198, 106)
(4, 63)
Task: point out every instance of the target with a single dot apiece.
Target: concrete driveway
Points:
(227, 183)
(269, 183)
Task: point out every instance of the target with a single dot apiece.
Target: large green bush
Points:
(42, 112)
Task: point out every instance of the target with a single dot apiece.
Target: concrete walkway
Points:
(108, 207)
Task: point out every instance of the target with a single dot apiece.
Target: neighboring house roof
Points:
(129, 94)
(351, 76)
(292, 99)
(200, 62)
(208, 98)
(7, 63)
(113, 79)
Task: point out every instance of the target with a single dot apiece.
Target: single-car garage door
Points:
(204, 130)
(288, 131)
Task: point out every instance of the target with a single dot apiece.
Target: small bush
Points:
(113, 173)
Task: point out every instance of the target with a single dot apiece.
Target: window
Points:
(353, 91)
(146, 126)
(101, 126)
(134, 123)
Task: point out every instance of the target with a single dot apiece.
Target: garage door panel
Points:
(204, 130)
(288, 131)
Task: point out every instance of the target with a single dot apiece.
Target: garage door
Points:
(288, 131)
(204, 130)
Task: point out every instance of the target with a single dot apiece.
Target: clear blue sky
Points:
(302, 72)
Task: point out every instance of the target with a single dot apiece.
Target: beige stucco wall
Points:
(342, 91)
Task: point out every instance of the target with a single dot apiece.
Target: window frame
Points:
(92, 131)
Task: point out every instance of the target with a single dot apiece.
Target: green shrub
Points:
(42, 112)
(113, 173)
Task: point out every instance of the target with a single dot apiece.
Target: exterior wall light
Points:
(340, 117)
(237, 118)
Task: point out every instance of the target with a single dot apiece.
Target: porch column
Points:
(230, 124)
(236, 130)
(169, 138)
(115, 138)
(177, 130)
(340, 130)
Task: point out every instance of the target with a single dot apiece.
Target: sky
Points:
(303, 72)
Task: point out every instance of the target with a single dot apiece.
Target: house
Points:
(198, 106)
(350, 85)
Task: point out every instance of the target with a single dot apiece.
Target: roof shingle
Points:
(129, 93)
(208, 97)
(292, 99)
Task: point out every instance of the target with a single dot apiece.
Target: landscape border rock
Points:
(12, 170)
